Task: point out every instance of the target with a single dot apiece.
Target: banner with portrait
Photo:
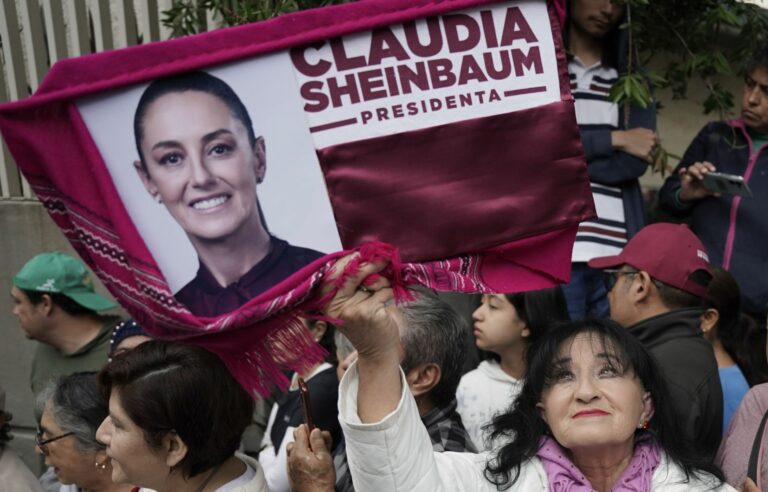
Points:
(211, 181)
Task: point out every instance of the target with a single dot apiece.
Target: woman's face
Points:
(497, 325)
(71, 464)
(590, 403)
(201, 165)
(133, 460)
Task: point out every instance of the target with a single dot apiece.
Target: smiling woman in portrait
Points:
(200, 157)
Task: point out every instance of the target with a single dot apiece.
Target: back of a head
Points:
(738, 333)
(674, 298)
(165, 386)
(435, 333)
(77, 405)
(725, 296)
(540, 310)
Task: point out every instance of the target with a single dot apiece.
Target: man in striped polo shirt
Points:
(617, 146)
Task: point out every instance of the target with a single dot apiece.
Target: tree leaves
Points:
(633, 88)
(686, 40)
(690, 40)
(188, 16)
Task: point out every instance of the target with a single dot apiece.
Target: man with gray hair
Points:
(432, 347)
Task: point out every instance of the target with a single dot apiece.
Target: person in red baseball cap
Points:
(657, 289)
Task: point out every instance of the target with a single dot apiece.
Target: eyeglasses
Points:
(43, 443)
(610, 277)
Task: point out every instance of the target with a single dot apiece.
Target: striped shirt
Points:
(591, 87)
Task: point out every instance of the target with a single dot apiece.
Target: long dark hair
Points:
(169, 387)
(735, 330)
(539, 310)
(522, 428)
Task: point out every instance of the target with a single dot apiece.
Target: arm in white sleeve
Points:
(395, 454)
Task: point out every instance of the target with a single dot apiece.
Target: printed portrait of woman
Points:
(199, 157)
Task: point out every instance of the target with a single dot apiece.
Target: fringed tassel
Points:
(284, 342)
(373, 252)
(259, 362)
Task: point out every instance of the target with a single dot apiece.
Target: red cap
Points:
(669, 253)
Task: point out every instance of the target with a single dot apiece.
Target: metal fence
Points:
(34, 34)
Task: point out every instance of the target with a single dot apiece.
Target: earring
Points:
(100, 466)
(259, 179)
(158, 199)
(644, 425)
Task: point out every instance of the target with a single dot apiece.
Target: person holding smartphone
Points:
(732, 227)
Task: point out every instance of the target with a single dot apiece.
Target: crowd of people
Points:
(647, 371)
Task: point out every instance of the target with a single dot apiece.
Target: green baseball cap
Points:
(59, 273)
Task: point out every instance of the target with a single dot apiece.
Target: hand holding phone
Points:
(730, 184)
(304, 392)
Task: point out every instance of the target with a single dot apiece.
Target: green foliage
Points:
(697, 40)
(188, 16)
(634, 87)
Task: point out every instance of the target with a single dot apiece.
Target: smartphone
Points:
(304, 392)
(730, 184)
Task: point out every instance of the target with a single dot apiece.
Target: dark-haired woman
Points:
(200, 158)
(592, 415)
(505, 325)
(176, 418)
(73, 408)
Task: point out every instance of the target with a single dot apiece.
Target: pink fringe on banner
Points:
(257, 342)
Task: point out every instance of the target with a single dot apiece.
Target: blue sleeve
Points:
(611, 167)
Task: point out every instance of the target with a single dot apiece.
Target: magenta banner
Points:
(211, 181)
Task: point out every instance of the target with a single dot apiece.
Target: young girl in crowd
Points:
(505, 325)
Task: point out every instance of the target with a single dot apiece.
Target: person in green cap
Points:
(56, 305)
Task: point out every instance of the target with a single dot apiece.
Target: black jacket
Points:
(688, 365)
